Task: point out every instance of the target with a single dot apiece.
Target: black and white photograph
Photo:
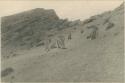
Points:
(62, 41)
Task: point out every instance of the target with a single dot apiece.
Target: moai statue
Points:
(47, 44)
(53, 43)
(69, 36)
(94, 33)
(61, 42)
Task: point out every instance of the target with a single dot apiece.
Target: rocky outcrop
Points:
(29, 27)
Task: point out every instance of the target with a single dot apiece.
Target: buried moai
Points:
(57, 42)
(47, 46)
(61, 42)
(93, 34)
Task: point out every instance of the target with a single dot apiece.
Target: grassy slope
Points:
(83, 60)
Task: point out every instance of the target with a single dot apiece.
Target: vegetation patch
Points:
(7, 71)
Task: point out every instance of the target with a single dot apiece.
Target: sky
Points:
(71, 9)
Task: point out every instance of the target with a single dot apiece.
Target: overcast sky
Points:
(80, 9)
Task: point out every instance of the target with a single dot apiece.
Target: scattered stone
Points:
(110, 25)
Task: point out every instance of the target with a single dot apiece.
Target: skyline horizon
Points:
(66, 13)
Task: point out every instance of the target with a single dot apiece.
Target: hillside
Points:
(29, 28)
(95, 53)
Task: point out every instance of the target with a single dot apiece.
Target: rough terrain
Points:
(83, 60)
